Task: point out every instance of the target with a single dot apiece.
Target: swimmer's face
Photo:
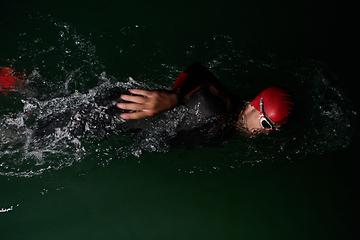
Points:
(249, 120)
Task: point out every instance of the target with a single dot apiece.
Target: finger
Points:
(131, 106)
(135, 115)
(142, 92)
(134, 99)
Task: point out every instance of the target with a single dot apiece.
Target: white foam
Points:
(3, 210)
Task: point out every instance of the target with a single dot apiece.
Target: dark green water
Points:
(301, 183)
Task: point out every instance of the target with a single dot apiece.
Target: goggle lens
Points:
(265, 124)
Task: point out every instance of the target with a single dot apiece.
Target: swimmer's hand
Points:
(147, 103)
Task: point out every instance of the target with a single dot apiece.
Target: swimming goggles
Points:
(264, 121)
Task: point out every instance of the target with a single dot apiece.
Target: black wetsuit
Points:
(207, 111)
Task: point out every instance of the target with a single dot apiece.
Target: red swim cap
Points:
(9, 81)
(277, 104)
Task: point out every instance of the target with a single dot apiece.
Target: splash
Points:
(64, 113)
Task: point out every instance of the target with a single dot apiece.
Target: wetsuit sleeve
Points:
(196, 76)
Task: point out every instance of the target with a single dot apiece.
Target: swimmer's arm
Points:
(147, 103)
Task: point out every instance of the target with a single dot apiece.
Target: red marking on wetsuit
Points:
(180, 80)
(9, 81)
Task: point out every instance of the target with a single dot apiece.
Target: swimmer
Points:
(198, 110)
(197, 86)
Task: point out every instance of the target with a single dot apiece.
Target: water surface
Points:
(295, 184)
